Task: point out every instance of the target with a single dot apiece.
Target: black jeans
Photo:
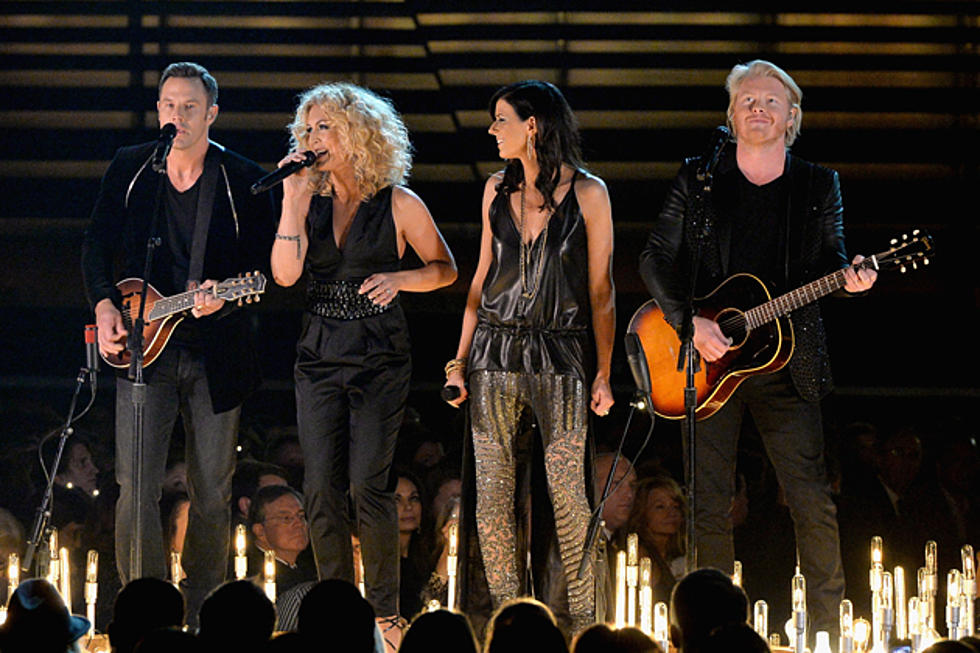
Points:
(179, 385)
(792, 433)
(352, 380)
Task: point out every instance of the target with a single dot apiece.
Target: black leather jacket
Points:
(812, 245)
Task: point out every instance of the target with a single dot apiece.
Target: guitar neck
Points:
(167, 306)
(794, 299)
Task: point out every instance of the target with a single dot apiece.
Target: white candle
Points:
(862, 632)
(451, 562)
(64, 581)
(13, 575)
(887, 607)
(901, 604)
(760, 618)
(269, 575)
(241, 560)
(620, 621)
(632, 577)
(969, 588)
(932, 584)
(953, 590)
(915, 624)
(737, 573)
(799, 611)
(846, 627)
(661, 630)
(646, 596)
(91, 588)
(53, 558)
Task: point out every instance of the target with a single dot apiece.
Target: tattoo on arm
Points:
(294, 239)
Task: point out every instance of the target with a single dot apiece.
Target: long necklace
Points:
(527, 290)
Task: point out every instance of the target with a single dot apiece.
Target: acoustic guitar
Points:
(759, 326)
(163, 314)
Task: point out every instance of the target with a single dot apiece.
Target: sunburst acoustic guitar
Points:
(163, 314)
(758, 325)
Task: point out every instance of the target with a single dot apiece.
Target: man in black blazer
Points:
(209, 228)
(779, 218)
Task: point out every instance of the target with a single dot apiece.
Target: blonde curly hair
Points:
(369, 128)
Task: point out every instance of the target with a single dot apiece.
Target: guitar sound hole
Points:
(732, 323)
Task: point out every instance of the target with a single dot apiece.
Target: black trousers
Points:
(792, 433)
(352, 381)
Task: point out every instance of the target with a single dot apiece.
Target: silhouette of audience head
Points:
(237, 616)
(619, 504)
(335, 609)
(950, 646)
(702, 601)
(524, 625)
(167, 640)
(287, 642)
(249, 477)
(739, 637)
(600, 638)
(39, 622)
(143, 605)
(439, 630)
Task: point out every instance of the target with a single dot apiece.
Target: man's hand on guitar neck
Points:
(112, 333)
(206, 303)
(710, 342)
(859, 280)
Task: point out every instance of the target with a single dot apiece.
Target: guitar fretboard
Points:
(811, 292)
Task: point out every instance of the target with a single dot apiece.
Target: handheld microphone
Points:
(92, 351)
(164, 142)
(449, 392)
(277, 175)
(719, 139)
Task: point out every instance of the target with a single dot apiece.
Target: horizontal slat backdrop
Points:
(891, 100)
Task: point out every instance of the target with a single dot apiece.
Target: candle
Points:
(846, 627)
(737, 573)
(53, 557)
(451, 562)
(64, 579)
(661, 631)
(915, 623)
(91, 588)
(862, 632)
(774, 640)
(953, 591)
(887, 607)
(13, 574)
(632, 577)
(901, 619)
(969, 580)
(932, 584)
(760, 618)
(269, 574)
(176, 571)
(646, 596)
(241, 561)
(823, 642)
(799, 611)
(620, 621)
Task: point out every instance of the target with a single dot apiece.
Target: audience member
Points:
(600, 638)
(524, 625)
(249, 477)
(237, 616)
(702, 601)
(439, 630)
(658, 518)
(39, 622)
(416, 565)
(615, 515)
(334, 610)
(168, 640)
(143, 605)
(732, 638)
(958, 473)
(77, 469)
(278, 523)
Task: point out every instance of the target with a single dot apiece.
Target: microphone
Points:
(164, 142)
(449, 392)
(277, 175)
(720, 137)
(638, 366)
(92, 351)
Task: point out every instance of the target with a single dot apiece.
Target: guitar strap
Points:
(202, 222)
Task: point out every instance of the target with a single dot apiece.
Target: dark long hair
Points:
(556, 142)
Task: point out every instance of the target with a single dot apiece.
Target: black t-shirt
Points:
(758, 222)
(181, 214)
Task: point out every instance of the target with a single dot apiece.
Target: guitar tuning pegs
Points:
(914, 266)
(915, 232)
(905, 236)
(901, 268)
(925, 261)
(258, 298)
(894, 241)
(240, 300)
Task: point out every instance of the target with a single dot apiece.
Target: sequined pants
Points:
(559, 406)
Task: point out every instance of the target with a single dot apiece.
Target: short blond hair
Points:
(762, 68)
(369, 128)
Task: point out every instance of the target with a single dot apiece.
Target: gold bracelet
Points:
(455, 365)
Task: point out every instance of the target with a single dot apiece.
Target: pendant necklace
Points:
(527, 289)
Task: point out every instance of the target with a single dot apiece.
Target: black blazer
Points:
(239, 240)
(812, 245)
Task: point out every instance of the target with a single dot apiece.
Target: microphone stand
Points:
(42, 530)
(138, 396)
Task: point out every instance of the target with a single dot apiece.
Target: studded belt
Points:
(341, 301)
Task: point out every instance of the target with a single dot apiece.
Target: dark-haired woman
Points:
(538, 329)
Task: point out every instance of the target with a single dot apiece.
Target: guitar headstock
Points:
(247, 287)
(906, 252)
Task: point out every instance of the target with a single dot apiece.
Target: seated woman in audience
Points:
(415, 562)
(658, 518)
